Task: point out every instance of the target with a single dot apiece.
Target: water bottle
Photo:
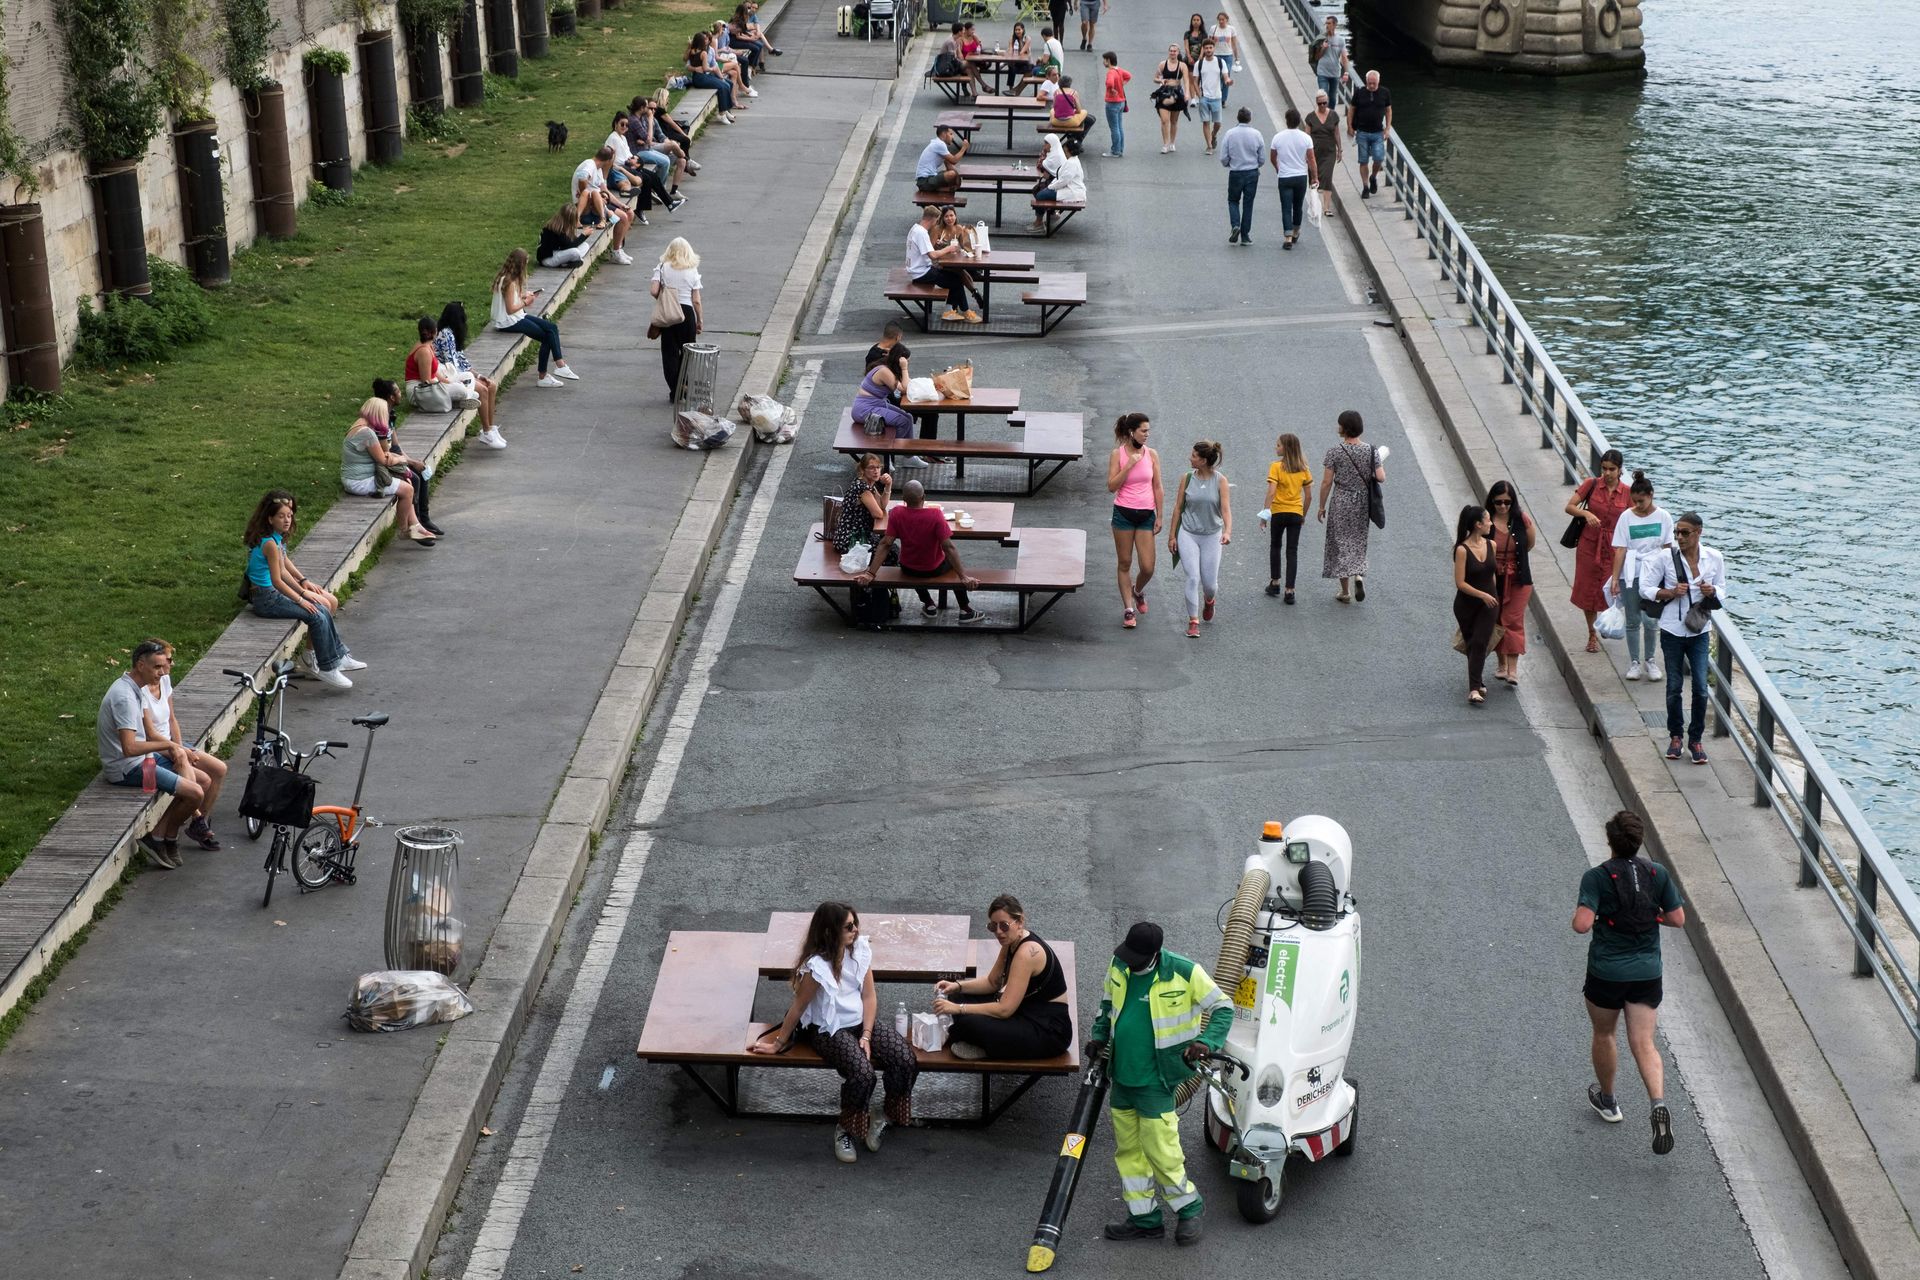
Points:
(900, 1020)
(149, 774)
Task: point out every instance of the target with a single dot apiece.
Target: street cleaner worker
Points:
(1160, 1013)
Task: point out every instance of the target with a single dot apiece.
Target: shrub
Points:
(143, 330)
(321, 59)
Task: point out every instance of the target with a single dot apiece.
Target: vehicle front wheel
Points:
(1260, 1201)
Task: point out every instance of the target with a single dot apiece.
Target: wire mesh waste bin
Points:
(699, 368)
(423, 900)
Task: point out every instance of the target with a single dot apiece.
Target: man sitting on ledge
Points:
(926, 550)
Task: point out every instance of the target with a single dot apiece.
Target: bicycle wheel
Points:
(276, 859)
(317, 854)
(268, 752)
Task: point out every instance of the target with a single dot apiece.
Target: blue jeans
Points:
(1643, 622)
(1226, 69)
(1330, 85)
(543, 331)
(1686, 655)
(659, 161)
(327, 647)
(708, 80)
(1293, 193)
(1372, 147)
(1116, 111)
(1242, 185)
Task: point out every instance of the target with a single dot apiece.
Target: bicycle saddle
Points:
(372, 721)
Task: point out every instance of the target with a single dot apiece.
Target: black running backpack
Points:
(1635, 908)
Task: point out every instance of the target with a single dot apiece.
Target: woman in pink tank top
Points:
(1133, 477)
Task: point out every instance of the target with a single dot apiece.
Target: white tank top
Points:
(502, 318)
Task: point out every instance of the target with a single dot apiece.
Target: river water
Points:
(1724, 258)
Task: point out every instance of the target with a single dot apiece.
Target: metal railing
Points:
(1566, 427)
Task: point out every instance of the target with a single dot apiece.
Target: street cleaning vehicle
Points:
(1278, 1096)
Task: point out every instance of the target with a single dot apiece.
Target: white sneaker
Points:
(725, 118)
(492, 438)
(622, 257)
(547, 380)
(1654, 672)
(1633, 670)
(876, 1126)
(351, 663)
(913, 462)
(843, 1147)
(335, 679)
(693, 166)
(564, 371)
(753, 93)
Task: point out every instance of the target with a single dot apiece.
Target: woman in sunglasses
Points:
(833, 1013)
(1018, 1008)
(1513, 538)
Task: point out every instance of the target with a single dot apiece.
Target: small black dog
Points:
(556, 135)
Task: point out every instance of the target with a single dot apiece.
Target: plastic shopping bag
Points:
(930, 1031)
(693, 429)
(395, 999)
(772, 422)
(857, 558)
(921, 391)
(1311, 206)
(1612, 622)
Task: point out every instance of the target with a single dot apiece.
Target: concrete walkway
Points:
(188, 1095)
(1106, 776)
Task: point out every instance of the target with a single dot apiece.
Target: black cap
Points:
(1142, 945)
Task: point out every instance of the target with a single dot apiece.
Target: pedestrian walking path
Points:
(187, 1094)
(1106, 775)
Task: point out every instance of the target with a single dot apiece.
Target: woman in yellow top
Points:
(1289, 485)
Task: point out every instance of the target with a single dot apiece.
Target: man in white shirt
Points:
(923, 266)
(596, 205)
(127, 754)
(1295, 169)
(1211, 75)
(1691, 576)
(644, 171)
(1055, 50)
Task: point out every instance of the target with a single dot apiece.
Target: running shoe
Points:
(875, 1128)
(1193, 628)
(1673, 749)
(1662, 1130)
(1206, 611)
(1603, 1104)
(1633, 670)
(1698, 752)
(843, 1147)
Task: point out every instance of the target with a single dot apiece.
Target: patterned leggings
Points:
(892, 1055)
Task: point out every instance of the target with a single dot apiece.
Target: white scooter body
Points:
(1294, 1014)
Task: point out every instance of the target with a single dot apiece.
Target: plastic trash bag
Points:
(693, 429)
(395, 999)
(858, 558)
(1612, 622)
(921, 391)
(772, 422)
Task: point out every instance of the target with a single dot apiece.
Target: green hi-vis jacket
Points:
(1186, 1006)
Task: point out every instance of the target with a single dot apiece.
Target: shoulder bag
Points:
(1698, 611)
(1376, 498)
(667, 312)
(1578, 525)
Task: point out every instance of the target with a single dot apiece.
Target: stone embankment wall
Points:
(1535, 37)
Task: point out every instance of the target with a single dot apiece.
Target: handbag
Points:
(1376, 497)
(1493, 641)
(1571, 538)
(431, 397)
(278, 797)
(667, 312)
(1699, 613)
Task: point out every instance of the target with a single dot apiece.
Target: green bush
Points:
(322, 59)
(143, 330)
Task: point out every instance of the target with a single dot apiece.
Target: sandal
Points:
(1128, 620)
(1475, 698)
(1593, 642)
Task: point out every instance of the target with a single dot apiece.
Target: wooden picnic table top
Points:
(1010, 103)
(998, 171)
(991, 520)
(987, 58)
(994, 260)
(991, 400)
(906, 948)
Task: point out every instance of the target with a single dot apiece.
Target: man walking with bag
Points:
(1159, 1014)
(1688, 583)
(1624, 903)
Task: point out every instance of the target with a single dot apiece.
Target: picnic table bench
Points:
(701, 1016)
(955, 87)
(1008, 107)
(1051, 564)
(1048, 440)
(1056, 214)
(1011, 266)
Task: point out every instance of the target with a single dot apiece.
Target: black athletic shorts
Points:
(1613, 995)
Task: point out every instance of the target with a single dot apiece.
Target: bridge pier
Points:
(1529, 37)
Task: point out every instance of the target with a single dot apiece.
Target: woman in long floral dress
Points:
(1345, 471)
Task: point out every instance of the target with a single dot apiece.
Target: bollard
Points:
(423, 900)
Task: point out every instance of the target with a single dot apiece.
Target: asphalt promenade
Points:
(188, 1096)
(1105, 776)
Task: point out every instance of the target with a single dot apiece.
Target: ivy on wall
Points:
(183, 81)
(249, 28)
(13, 154)
(117, 98)
(442, 16)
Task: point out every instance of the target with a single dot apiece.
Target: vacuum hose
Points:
(1235, 941)
(1319, 898)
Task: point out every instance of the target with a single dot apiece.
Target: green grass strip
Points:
(123, 500)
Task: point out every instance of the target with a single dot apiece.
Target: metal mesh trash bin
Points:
(423, 900)
(699, 369)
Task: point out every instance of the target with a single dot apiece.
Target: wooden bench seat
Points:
(1057, 294)
(1057, 213)
(922, 199)
(701, 1018)
(961, 122)
(957, 88)
(1047, 440)
(1051, 564)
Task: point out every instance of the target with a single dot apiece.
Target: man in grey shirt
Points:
(1331, 69)
(125, 750)
(1242, 152)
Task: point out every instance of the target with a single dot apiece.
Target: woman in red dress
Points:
(1600, 501)
(1513, 538)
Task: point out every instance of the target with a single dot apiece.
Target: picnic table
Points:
(1012, 265)
(997, 66)
(906, 948)
(992, 522)
(1001, 402)
(997, 176)
(1010, 107)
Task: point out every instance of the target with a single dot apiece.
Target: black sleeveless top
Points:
(1481, 574)
(1051, 982)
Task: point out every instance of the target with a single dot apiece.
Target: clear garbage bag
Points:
(395, 999)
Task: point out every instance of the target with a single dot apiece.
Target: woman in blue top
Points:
(450, 348)
(277, 589)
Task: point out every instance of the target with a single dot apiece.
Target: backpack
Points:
(1313, 54)
(1635, 909)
